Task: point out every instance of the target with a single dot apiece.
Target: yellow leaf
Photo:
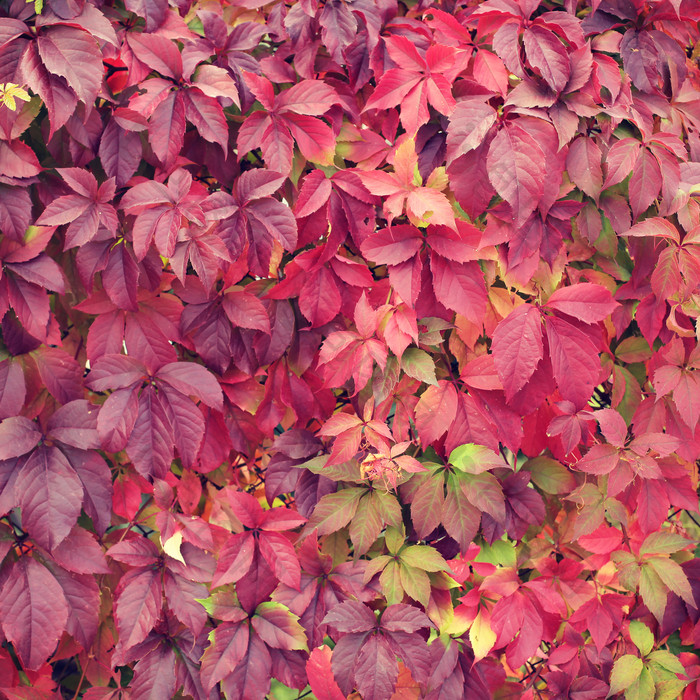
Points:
(11, 91)
(172, 546)
(481, 635)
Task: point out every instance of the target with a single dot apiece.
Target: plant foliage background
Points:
(349, 347)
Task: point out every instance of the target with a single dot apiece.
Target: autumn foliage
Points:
(349, 348)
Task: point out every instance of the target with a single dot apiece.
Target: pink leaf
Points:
(18, 435)
(587, 302)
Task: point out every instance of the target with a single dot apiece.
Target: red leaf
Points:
(64, 210)
(278, 627)
(206, 114)
(157, 52)
(461, 519)
(245, 310)
(137, 606)
(138, 551)
(82, 596)
(117, 418)
(228, 647)
(351, 616)
(12, 390)
(235, 559)
(61, 374)
(183, 598)
(469, 123)
(517, 169)
(183, 414)
(518, 348)
(75, 56)
(574, 359)
(50, 495)
(192, 379)
(154, 675)
(33, 611)
(583, 163)
(115, 372)
(435, 411)
(376, 669)
(393, 245)
(459, 287)
(589, 303)
(17, 160)
(404, 618)
(251, 678)
(279, 553)
(150, 444)
(546, 53)
(645, 182)
(166, 128)
(80, 553)
(320, 675)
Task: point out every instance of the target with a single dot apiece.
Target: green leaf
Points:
(590, 512)
(394, 538)
(653, 591)
(630, 398)
(374, 566)
(625, 672)
(366, 524)
(475, 459)
(417, 364)
(633, 349)
(641, 689)
(345, 471)
(501, 553)
(390, 581)
(335, 510)
(667, 660)
(389, 508)
(423, 557)
(674, 577)
(416, 583)
(663, 543)
(550, 476)
(669, 689)
(642, 637)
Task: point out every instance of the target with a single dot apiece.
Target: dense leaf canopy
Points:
(349, 348)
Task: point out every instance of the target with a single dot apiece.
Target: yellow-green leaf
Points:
(394, 538)
(423, 557)
(417, 364)
(643, 688)
(667, 660)
(390, 581)
(475, 459)
(642, 637)
(625, 672)
(416, 583)
(481, 636)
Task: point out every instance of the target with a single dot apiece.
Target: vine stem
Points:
(80, 682)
